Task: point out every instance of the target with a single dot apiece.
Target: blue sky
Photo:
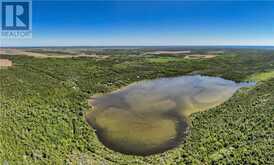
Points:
(92, 23)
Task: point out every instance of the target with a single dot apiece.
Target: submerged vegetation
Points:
(43, 102)
(150, 117)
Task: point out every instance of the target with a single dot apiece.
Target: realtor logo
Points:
(16, 18)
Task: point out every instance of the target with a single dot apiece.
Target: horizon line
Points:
(48, 46)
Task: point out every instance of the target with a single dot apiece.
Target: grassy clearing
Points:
(264, 76)
(199, 56)
(164, 59)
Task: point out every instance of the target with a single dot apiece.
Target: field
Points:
(5, 63)
(43, 101)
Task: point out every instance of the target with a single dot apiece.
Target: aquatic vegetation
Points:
(149, 117)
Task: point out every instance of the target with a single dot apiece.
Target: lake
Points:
(152, 116)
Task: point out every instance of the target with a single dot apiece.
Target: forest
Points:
(43, 102)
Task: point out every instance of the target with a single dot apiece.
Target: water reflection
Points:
(149, 117)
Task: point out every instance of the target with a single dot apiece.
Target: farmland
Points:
(43, 102)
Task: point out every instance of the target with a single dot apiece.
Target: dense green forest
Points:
(43, 102)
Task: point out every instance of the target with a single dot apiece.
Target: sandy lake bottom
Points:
(151, 116)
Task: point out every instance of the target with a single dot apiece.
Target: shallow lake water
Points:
(152, 116)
